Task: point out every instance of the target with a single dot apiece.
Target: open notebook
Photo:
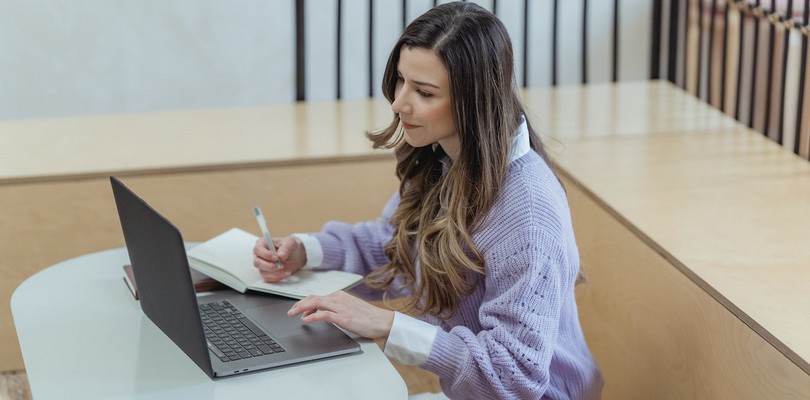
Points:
(228, 258)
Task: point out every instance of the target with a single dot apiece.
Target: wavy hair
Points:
(442, 207)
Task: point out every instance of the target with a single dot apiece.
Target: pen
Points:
(263, 226)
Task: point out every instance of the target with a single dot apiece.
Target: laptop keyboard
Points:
(232, 336)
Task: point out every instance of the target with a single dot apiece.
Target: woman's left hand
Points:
(346, 311)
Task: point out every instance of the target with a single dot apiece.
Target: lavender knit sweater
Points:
(517, 336)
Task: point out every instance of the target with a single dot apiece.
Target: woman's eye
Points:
(423, 93)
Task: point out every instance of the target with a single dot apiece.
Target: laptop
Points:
(226, 332)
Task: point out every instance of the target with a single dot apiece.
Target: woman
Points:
(478, 237)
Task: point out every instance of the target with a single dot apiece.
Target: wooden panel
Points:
(732, 208)
(45, 223)
(658, 335)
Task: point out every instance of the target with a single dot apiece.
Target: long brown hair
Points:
(441, 207)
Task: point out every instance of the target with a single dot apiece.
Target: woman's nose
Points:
(400, 104)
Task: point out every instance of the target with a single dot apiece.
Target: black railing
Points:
(715, 49)
(522, 52)
(763, 85)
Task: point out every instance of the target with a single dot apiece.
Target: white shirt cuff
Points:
(410, 340)
(312, 247)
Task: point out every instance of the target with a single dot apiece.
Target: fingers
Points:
(282, 249)
(268, 262)
(326, 316)
(272, 274)
(285, 247)
(262, 250)
(320, 309)
(347, 312)
(311, 304)
(265, 262)
(306, 306)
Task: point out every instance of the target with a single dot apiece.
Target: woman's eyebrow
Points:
(420, 83)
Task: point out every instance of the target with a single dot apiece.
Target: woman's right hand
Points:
(289, 253)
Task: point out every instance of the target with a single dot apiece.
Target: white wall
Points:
(73, 57)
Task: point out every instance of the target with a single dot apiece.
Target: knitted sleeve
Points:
(525, 285)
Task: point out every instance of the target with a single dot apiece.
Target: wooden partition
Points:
(656, 333)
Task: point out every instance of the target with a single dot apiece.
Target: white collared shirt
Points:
(411, 339)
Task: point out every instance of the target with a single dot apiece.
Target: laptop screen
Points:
(158, 257)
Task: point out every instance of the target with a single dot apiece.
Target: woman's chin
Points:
(415, 143)
(410, 141)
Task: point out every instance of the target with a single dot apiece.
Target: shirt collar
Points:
(520, 144)
(520, 141)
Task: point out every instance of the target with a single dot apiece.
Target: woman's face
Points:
(422, 100)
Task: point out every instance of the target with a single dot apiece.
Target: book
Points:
(202, 282)
(228, 258)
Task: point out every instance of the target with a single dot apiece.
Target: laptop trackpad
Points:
(273, 318)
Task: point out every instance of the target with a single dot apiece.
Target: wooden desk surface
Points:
(206, 139)
(92, 146)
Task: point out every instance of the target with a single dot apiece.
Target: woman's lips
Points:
(409, 126)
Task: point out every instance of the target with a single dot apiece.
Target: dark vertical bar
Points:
(710, 54)
(404, 14)
(554, 28)
(673, 41)
(615, 60)
(655, 51)
(370, 48)
(724, 61)
(752, 99)
(584, 41)
(495, 7)
(435, 3)
(785, 44)
(685, 42)
(741, 50)
(339, 49)
(699, 71)
(300, 51)
(525, 42)
(802, 77)
(769, 90)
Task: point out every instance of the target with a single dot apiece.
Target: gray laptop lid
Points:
(160, 265)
